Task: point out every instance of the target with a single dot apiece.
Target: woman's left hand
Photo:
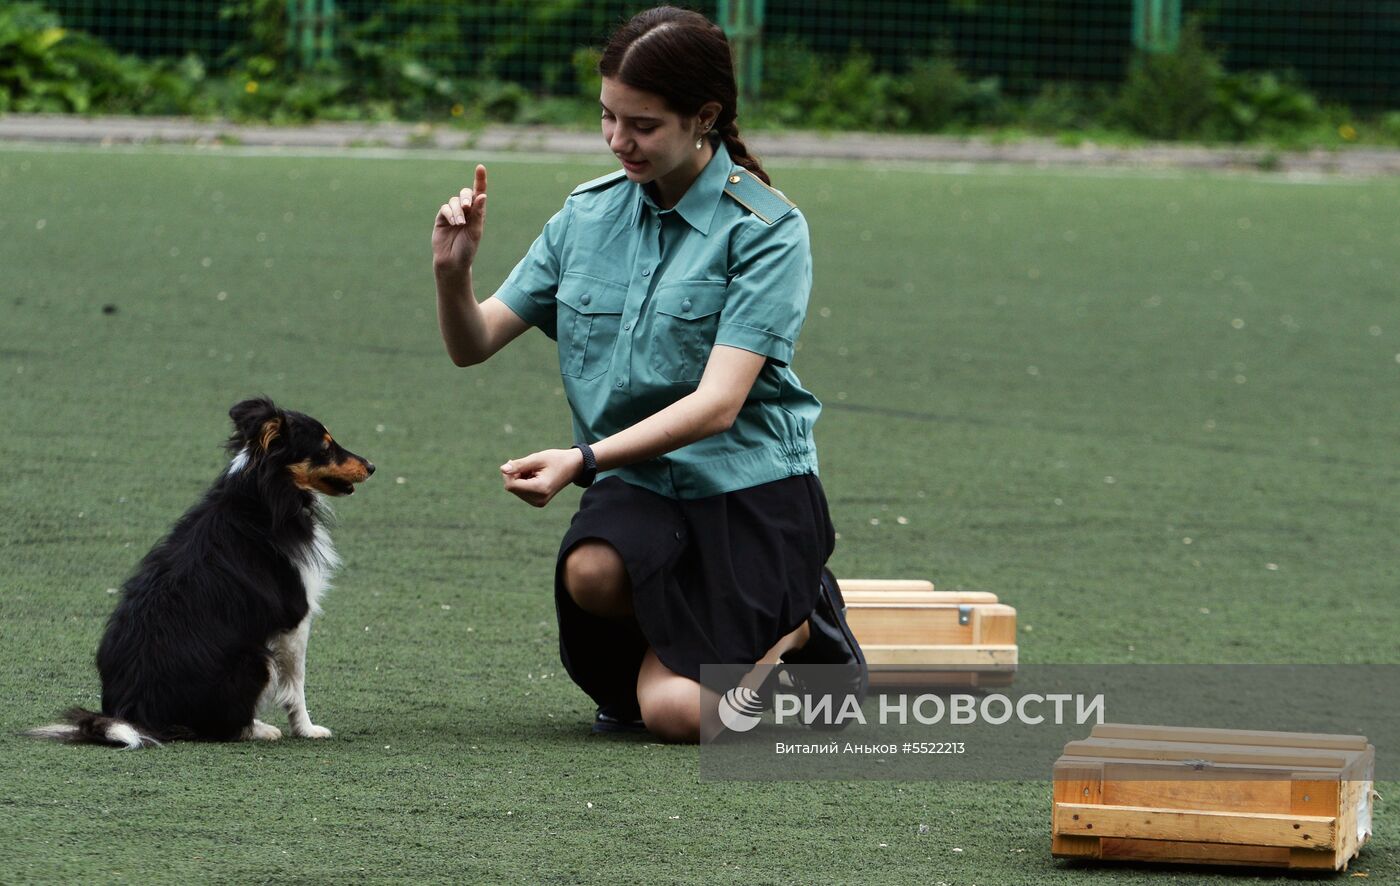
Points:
(538, 477)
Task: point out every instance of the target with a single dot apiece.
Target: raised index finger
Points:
(480, 187)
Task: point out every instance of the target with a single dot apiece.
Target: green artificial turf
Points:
(1157, 414)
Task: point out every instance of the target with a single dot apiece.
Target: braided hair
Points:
(684, 58)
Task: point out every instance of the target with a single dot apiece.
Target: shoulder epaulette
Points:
(749, 191)
(601, 181)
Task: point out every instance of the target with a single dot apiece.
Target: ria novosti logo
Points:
(740, 709)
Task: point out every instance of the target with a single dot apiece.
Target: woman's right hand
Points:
(457, 229)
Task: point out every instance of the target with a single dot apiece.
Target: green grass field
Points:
(1157, 414)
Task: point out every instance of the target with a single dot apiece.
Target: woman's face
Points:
(652, 141)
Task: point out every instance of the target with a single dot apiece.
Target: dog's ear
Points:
(256, 424)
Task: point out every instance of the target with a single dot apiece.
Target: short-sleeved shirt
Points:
(637, 296)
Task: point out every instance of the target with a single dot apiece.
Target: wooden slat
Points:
(1317, 798)
(994, 625)
(1215, 753)
(914, 678)
(859, 585)
(1147, 822)
(1125, 786)
(1354, 820)
(1230, 736)
(920, 602)
(893, 624)
(1076, 784)
(1177, 852)
(876, 596)
(917, 679)
(897, 625)
(1182, 770)
(878, 655)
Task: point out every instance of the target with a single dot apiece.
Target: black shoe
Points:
(612, 720)
(831, 642)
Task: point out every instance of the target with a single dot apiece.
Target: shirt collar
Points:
(701, 201)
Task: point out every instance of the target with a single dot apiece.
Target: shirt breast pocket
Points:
(589, 316)
(687, 318)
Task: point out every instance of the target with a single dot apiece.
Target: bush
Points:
(377, 74)
(1252, 105)
(807, 90)
(1187, 93)
(45, 68)
(1065, 107)
(1390, 126)
(938, 96)
(1171, 95)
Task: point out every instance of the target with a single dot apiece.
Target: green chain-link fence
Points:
(1346, 51)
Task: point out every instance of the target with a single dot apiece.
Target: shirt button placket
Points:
(647, 253)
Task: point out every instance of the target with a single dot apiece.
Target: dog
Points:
(214, 623)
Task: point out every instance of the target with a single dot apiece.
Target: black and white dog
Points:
(214, 623)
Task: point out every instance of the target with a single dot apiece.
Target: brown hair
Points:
(684, 58)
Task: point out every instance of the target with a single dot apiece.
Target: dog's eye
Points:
(325, 445)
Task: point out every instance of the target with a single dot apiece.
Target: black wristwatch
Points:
(590, 466)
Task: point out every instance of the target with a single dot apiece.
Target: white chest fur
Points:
(317, 564)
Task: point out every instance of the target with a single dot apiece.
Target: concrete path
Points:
(1358, 161)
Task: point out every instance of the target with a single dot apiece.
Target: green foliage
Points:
(1390, 126)
(1170, 95)
(1187, 93)
(1255, 104)
(45, 68)
(264, 28)
(376, 72)
(808, 90)
(1065, 107)
(938, 96)
(590, 82)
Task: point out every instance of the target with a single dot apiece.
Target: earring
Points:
(699, 143)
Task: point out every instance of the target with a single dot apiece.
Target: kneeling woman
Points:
(675, 289)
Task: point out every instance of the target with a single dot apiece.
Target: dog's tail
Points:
(86, 727)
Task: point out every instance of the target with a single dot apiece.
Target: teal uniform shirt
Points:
(636, 296)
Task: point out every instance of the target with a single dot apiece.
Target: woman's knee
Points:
(670, 703)
(679, 724)
(672, 715)
(596, 579)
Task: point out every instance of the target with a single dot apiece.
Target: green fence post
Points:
(327, 42)
(1156, 24)
(293, 27)
(308, 33)
(742, 21)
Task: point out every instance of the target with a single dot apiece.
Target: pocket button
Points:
(685, 305)
(586, 298)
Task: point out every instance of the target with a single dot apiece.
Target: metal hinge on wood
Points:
(964, 614)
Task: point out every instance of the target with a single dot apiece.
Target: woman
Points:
(675, 289)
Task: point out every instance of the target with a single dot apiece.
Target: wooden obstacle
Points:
(1213, 796)
(914, 635)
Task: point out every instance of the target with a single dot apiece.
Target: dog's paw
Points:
(313, 731)
(261, 731)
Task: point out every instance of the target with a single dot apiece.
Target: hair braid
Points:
(739, 152)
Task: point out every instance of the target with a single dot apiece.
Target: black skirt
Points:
(715, 580)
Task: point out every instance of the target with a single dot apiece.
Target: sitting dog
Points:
(215, 620)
